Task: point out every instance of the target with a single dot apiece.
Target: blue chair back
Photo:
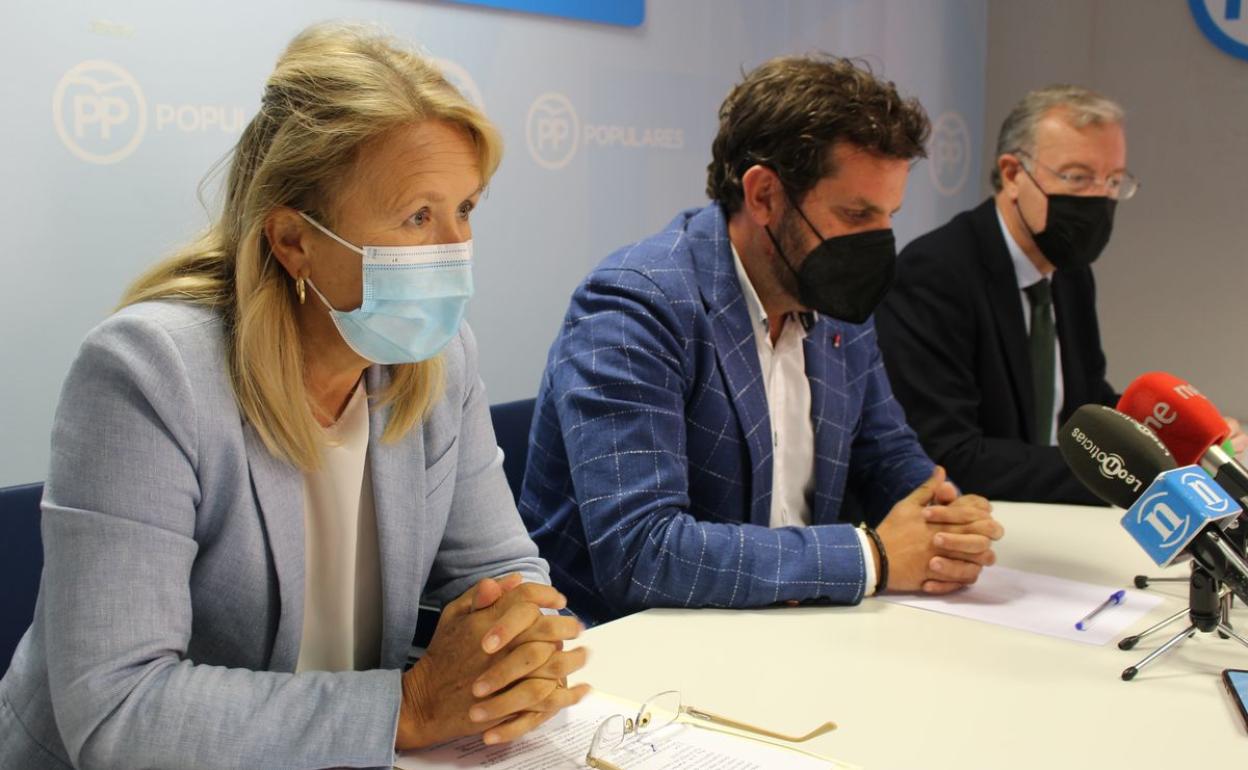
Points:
(21, 563)
(511, 429)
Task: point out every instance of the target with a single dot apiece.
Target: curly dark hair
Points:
(789, 112)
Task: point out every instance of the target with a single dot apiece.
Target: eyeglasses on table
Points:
(659, 717)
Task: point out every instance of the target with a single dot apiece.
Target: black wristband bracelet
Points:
(881, 580)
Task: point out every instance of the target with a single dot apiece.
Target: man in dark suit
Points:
(716, 388)
(990, 334)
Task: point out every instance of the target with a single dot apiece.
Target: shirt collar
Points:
(1024, 270)
(754, 306)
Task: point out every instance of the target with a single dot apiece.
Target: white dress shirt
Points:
(1027, 274)
(342, 573)
(787, 389)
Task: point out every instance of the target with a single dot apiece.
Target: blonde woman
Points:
(277, 448)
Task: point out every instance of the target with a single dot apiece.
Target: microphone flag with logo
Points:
(1174, 510)
(1171, 512)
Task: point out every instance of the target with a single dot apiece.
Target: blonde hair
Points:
(335, 88)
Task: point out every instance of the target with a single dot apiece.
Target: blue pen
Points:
(1115, 598)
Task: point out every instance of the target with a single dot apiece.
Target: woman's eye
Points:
(420, 217)
(465, 209)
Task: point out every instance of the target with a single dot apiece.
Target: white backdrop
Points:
(114, 110)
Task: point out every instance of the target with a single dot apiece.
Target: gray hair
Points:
(1084, 107)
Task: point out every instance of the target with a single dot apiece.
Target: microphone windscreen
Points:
(1187, 422)
(1112, 455)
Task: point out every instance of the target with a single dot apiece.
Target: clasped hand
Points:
(936, 540)
(496, 665)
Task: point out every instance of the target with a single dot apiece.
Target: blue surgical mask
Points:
(414, 299)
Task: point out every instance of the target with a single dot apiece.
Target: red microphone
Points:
(1187, 422)
(1192, 429)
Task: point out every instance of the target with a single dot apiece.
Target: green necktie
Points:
(1043, 358)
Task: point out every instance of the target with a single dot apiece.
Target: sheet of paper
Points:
(561, 744)
(1038, 603)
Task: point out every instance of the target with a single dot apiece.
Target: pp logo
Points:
(463, 82)
(552, 130)
(1224, 22)
(99, 111)
(949, 153)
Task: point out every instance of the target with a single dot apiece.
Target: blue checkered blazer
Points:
(649, 472)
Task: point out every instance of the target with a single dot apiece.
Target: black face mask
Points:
(847, 276)
(1076, 229)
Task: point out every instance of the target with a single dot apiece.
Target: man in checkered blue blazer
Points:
(712, 397)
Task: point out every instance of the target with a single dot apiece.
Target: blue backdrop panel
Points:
(116, 109)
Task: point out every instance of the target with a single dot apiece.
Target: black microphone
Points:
(1171, 512)
(1111, 454)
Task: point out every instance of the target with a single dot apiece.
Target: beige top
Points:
(342, 574)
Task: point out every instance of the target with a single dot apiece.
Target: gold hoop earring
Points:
(300, 290)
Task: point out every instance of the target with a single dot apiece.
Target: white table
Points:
(913, 690)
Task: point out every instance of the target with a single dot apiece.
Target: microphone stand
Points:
(1237, 536)
(1228, 600)
(1208, 610)
(1142, 581)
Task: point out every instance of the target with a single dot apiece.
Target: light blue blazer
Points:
(171, 605)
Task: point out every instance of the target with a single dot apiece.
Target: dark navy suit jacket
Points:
(955, 343)
(649, 471)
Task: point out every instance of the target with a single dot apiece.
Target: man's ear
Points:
(1009, 167)
(764, 196)
(289, 235)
